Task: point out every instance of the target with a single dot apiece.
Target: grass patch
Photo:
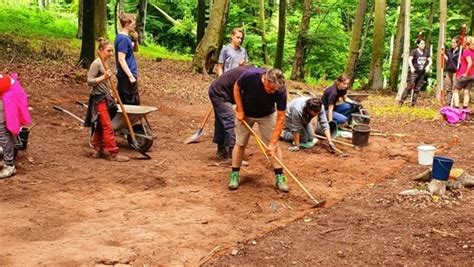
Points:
(154, 51)
(32, 22)
(386, 106)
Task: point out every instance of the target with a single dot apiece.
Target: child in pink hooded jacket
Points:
(13, 114)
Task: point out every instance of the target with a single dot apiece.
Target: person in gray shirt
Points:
(298, 128)
(233, 55)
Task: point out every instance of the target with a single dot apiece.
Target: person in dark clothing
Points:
(259, 95)
(451, 66)
(420, 63)
(126, 43)
(339, 113)
(221, 93)
(102, 107)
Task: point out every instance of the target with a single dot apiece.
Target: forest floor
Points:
(66, 208)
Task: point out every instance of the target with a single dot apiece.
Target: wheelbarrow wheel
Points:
(144, 143)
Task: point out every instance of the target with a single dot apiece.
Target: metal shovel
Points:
(195, 137)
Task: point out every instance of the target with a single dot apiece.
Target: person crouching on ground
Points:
(298, 128)
(102, 107)
(221, 93)
(256, 92)
(13, 114)
(339, 113)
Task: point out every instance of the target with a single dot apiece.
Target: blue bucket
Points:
(441, 168)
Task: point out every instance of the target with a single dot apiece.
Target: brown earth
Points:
(66, 208)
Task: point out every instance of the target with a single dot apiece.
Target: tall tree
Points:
(430, 25)
(118, 9)
(297, 71)
(376, 62)
(443, 7)
(406, 49)
(208, 49)
(263, 31)
(141, 20)
(100, 18)
(80, 19)
(88, 30)
(354, 49)
(281, 35)
(201, 20)
(397, 49)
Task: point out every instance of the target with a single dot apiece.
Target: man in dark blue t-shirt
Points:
(340, 113)
(221, 93)
(256, 93)
(127, 71)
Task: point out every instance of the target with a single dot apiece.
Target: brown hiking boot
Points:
(119, 158)
(97, 154)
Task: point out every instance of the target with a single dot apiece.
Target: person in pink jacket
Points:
(13, 115)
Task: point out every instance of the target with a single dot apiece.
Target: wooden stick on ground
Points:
(336, 141)
(318, 203)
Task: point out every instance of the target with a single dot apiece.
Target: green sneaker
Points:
(234, 180)
(282, 183)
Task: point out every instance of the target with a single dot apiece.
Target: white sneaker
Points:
(7, 171)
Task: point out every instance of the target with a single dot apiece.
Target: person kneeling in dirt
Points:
(256, 92)
(102, 107)
(298, 128)
(221, 93)
(340, 113)
(13, 114)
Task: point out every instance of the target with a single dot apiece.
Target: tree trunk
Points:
(88, 41)
(376, 62)
(208, 49)
(119, 9)
(443, 7)
(201, 20)
(100, 18)
(430, 25)
(297, 71)
(397, 50)
(406, 50)
(261, 25)
(354, 49)
(141, 20)
(79, 19)
(281, 35)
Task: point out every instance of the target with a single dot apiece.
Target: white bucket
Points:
(426, 154)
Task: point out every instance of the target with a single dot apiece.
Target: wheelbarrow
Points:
(137, 116)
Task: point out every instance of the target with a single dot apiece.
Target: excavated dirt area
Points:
(66, 208)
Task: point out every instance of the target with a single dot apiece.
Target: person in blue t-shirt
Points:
(260, 97)
(126, 43)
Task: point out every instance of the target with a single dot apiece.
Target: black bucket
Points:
(360, 134)
(23, 138)
(332, 130)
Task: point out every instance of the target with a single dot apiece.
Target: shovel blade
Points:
(137, 148)
(195, 137)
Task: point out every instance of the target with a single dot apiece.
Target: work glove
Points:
(293, 149)
(332, 146)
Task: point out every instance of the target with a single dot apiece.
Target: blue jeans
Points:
(342, 113)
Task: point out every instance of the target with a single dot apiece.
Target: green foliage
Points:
(387, 107)
(29, 21)
(154, 51)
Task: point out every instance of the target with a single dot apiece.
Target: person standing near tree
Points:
(256, 93)
(126, 43)
(452, 58)
(465, 74)
(420, 63)
(232, 55)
